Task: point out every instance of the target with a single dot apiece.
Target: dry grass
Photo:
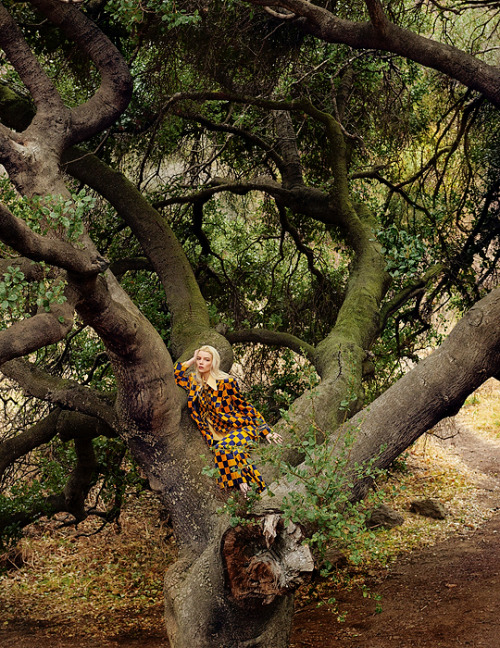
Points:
(482, 410)
(431, 472)
(102, 585)
(110, 584)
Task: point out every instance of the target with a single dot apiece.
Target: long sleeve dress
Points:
(228, 423)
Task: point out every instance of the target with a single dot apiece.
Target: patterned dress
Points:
(228, 424)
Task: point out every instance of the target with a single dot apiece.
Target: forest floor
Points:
(438, 581)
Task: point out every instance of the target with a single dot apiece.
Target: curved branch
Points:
(279, 15)
(115, 91)
(67, 394)
(14, 448)
(186, 303)
(434, 389)
(15, 233)
(71, 499)
(67, 425)
(270, 104)
(234, 130)
(81, 479)
(120, 267)
(456, 63)
(264, 184)
(41, 88)
(273, 338)
(301, 247)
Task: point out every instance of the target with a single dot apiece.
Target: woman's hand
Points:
(274, 437)
(192, 360)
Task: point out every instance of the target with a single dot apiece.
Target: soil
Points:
(444, 596)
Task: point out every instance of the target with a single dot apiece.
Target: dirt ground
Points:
(444, 596)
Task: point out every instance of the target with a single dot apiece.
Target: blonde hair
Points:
(215, 370)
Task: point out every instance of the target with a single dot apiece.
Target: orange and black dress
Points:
(228, 423)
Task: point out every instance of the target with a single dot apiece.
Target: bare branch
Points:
(265, 184)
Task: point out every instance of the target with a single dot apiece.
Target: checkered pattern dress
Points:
(223, 412)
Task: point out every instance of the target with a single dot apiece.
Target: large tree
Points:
(230, 586)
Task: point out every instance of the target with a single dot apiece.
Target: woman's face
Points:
(203, 362)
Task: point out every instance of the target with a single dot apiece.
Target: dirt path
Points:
(445, 596)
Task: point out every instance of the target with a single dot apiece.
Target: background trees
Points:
(265, 189)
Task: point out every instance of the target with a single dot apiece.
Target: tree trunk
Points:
(235, 594)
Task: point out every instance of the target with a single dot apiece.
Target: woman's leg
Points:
(231, 458)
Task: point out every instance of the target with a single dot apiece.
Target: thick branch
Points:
(28, 335)
(189, 310)
(15, 233)
(81, 479)
(131, 264)
(71, 499)
(435, 389)
(287, 145)
(456, 63)
(377, 16)
(67, 394)
(43, 91)
(31, 271)
(115, 91)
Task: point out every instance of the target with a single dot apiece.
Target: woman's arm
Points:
(182, 378)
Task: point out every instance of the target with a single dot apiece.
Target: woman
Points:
(226, 420)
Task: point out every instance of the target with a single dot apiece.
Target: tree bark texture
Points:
(239, 592)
